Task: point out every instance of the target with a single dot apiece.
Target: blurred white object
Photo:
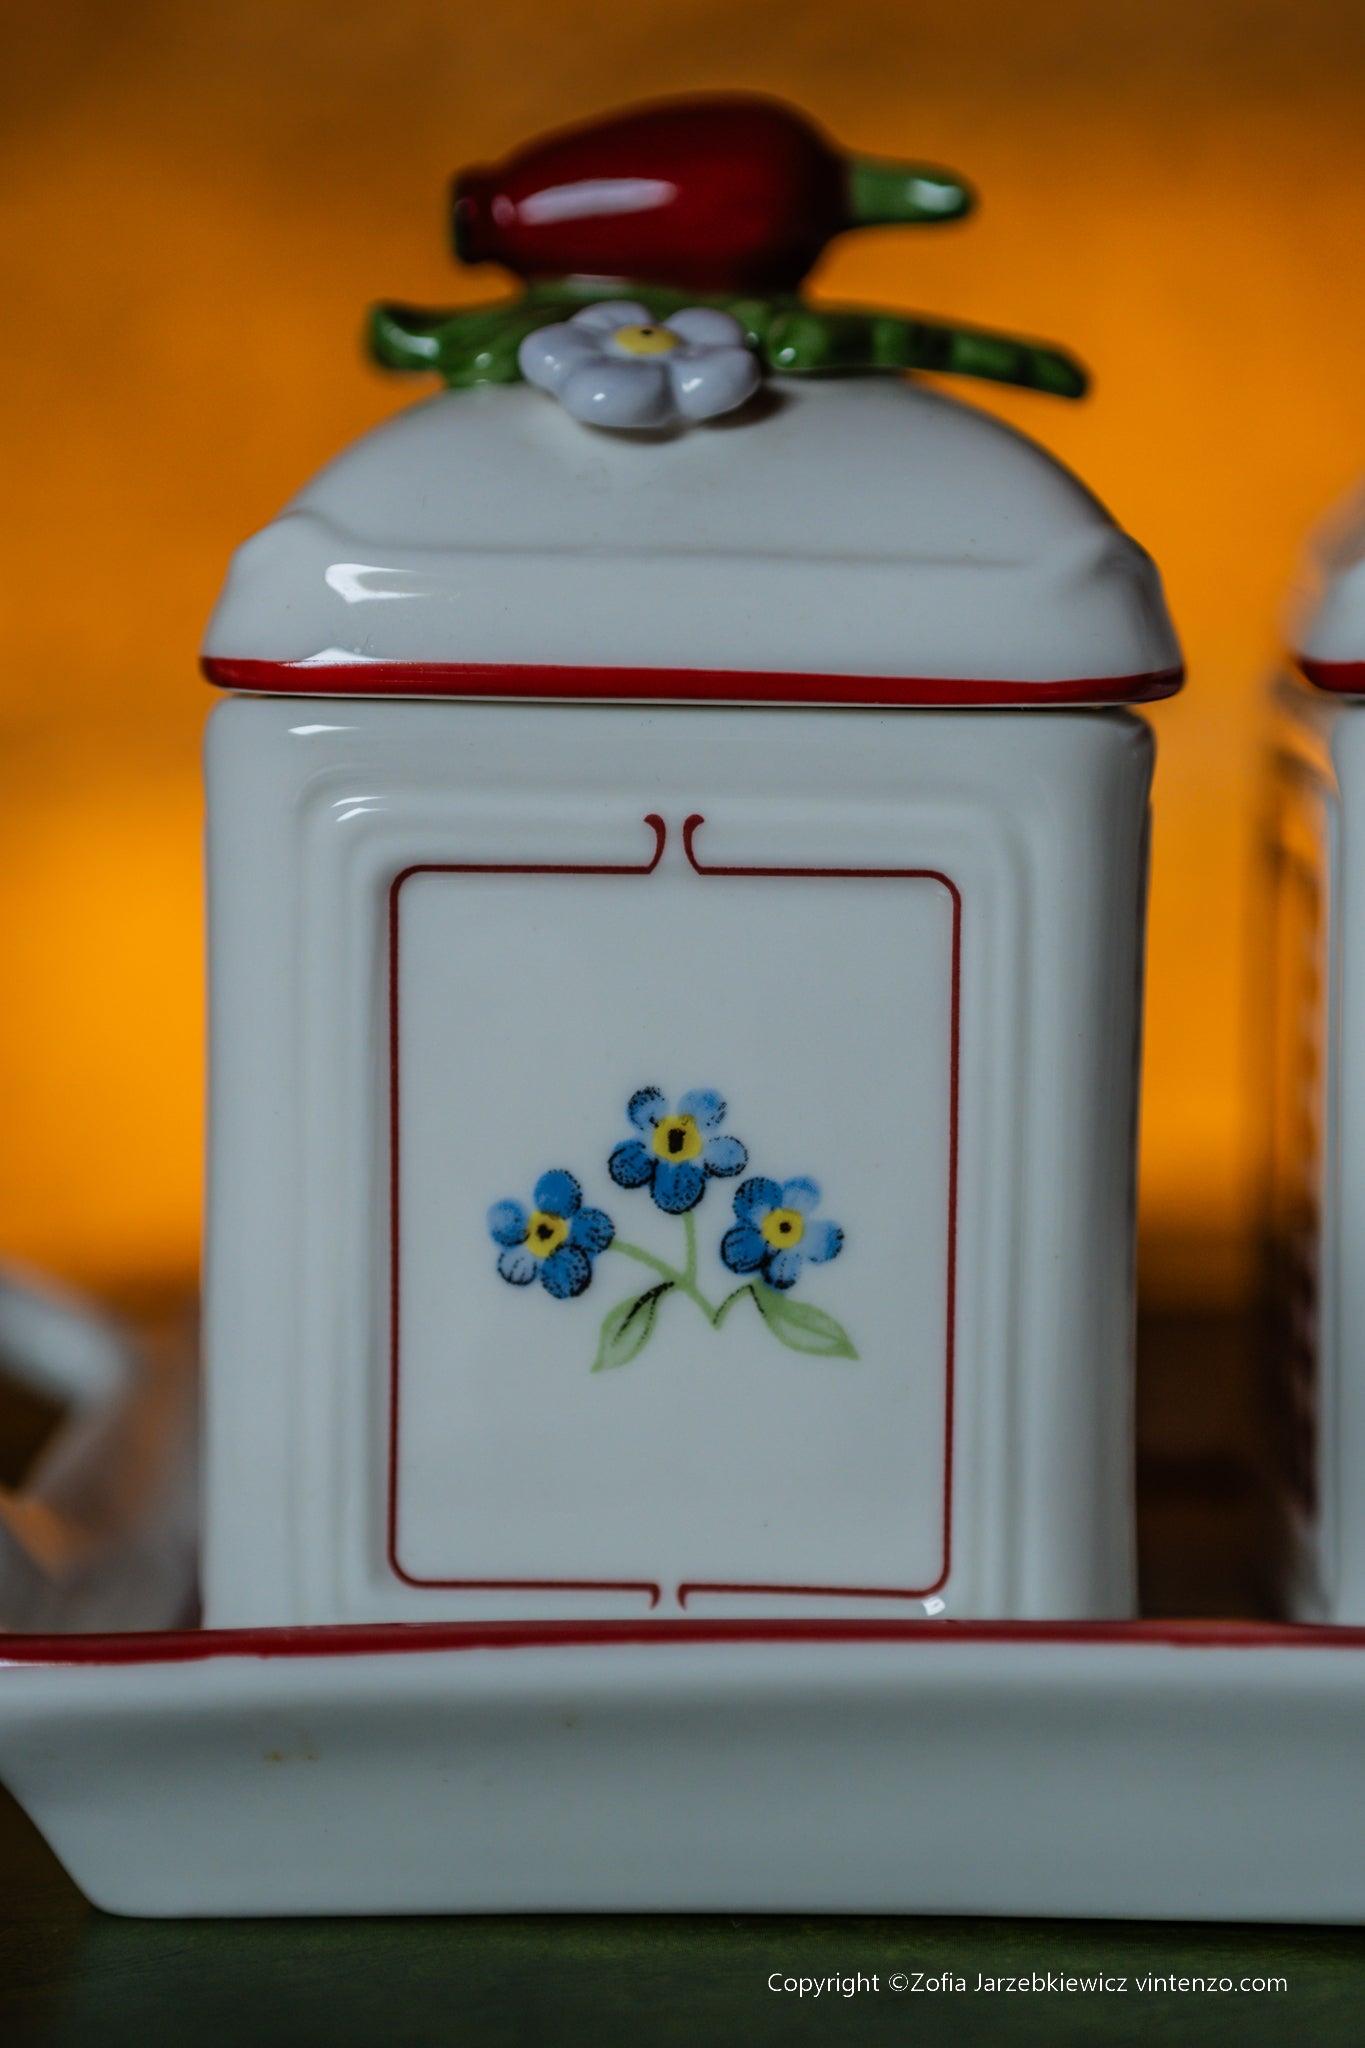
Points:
(1327, 606)
(103, 1533)
(58, 1344)
(1315, 1121)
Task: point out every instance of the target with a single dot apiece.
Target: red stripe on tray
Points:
(389, 1638)
(680, 685)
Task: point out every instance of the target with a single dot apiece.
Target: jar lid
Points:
(1327, 631)
(843, 541)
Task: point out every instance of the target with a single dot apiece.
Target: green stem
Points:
(684, 1279)
(723, 1311)
(634, 1251)
(881, 194)
(684, 1283)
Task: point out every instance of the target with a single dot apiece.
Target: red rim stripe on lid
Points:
(1342, 678)
(676, 685)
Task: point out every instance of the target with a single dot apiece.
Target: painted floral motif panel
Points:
(675, 1231)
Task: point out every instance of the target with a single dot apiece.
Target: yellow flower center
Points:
(645, 341)
(783, 1228)
(677, 1137)
(545, 1233)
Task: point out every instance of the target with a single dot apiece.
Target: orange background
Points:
(199, 200)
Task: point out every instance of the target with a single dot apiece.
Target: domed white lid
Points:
(863, 540)
(1328, 629)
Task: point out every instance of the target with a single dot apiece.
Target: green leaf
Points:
(801, 1326)
(405, 337)
(627, 1328)
(471, 345)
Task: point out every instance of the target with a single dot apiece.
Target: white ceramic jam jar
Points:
(1315, 984)
(676, 912)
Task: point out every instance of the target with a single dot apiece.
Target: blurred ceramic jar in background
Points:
(1315, 986)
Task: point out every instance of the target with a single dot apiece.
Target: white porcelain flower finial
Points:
(613, 365)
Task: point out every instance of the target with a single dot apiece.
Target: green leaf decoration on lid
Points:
(476, 345)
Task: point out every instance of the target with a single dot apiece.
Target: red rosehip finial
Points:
(729, 193)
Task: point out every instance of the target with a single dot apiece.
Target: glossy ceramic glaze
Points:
(718, 194)
(613, 365)
(672, 1150)
(863, 540)
(1135, 1773)
(479, 1341)
(451, 942)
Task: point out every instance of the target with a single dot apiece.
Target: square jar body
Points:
(670, 1160)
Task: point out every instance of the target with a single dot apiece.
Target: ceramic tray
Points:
(1128, 1770)
(1146, 1770)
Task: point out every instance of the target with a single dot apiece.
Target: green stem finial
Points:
(881, 194)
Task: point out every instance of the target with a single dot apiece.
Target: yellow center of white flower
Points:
(677, 1137)
(782, 1229)
(645, 341)
(545, 1233)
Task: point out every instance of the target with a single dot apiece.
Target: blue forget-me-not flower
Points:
(555, 1241)
(677, 1150)
(775, 1231)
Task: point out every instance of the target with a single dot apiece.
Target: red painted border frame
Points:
(950, 1332)
(675, 685)
(638, 868)
(644, 869)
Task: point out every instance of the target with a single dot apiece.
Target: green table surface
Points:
(70, 1975)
